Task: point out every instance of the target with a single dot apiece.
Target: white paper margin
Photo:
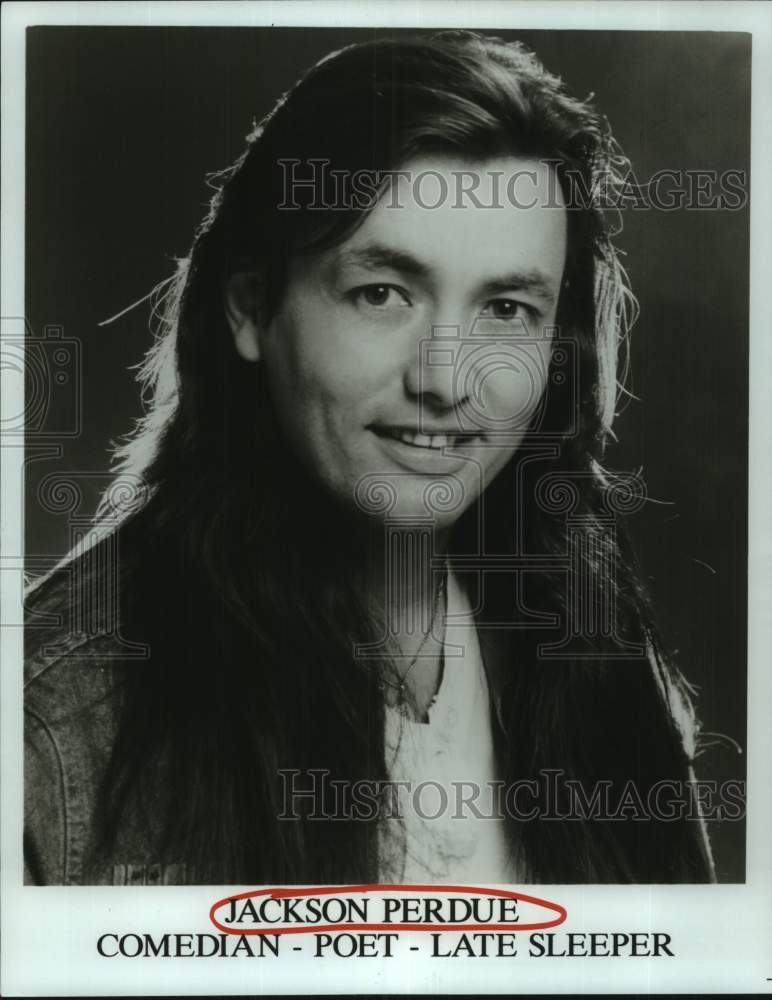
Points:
(723, 934)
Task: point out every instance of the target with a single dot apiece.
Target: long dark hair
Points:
(230, 555)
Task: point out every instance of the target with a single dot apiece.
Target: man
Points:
(349, 562)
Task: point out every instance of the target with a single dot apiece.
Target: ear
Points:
(241, 310)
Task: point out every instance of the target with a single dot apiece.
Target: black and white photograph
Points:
(385, 466)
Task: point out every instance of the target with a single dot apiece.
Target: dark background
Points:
(122, 127)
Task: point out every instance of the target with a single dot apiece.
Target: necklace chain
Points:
(401, 686)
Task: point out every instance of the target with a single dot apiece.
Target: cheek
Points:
(306, 381)
(507, 385)
(325, 361)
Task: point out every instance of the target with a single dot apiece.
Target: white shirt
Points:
(441, 839)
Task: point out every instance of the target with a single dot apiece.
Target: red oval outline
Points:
(291, 892)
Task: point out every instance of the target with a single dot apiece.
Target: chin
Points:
(391, 498)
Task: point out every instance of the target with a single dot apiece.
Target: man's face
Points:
(414, 353)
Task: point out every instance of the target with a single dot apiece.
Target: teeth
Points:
(437, 441)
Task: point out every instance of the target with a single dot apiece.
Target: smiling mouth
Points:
(433, 442)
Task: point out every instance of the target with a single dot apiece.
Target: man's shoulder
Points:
(75, 668)
(70, 660)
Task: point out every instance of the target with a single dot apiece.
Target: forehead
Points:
(470, 218)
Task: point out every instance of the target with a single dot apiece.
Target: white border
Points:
(724, 932)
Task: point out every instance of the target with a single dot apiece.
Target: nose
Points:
(431, 376)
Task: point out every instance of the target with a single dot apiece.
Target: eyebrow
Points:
(374, 256)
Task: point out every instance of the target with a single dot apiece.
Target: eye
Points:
(507, 309)
(379, 296)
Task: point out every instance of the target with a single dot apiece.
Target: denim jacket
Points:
(72, 705)
(71, 702)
